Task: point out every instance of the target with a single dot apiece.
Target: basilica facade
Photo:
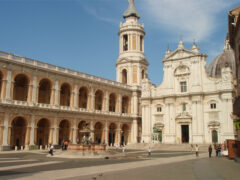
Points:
(42, 104)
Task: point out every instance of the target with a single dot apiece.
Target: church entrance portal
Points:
(185, 134)
(214, 136)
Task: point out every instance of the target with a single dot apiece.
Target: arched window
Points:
(124, 76)
(83, 97)
(98, 100)
(112, 102)
(143, 74)
(21, 84)
(65, 95)
(125, 104)
(44, 91)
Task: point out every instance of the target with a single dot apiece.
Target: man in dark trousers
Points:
(210, 150)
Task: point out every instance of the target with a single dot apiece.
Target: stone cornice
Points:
(38, 65)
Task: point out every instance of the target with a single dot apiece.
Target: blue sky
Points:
(82, 34)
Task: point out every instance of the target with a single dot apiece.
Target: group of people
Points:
(219, 148)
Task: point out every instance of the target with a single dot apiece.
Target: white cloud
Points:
(94, 12)
(194, 19)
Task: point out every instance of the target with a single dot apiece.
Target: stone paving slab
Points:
(84, 171)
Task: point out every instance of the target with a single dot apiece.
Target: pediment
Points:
(183, 115)
(214, 123)
(180, 54)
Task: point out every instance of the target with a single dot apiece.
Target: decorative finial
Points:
(195, 47)
(131, 11)
(181, 45)
(168, 52)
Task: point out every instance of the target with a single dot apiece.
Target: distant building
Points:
(234, 39)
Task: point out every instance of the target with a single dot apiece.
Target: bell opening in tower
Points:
(125, 42)
(141, 43)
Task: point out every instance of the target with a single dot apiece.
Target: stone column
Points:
(92, 95)
(134, 131)
(106, 132)
(34, 89)
(135, 103)
(74, 141)
(120, 103)
(27, 138)
(118, 141)
(9, 84)
(107, 101)
(32, 130)
(5, 130)
(56, 98)
(75, 100)
(92, 131)
(55, 132)
(50, 139)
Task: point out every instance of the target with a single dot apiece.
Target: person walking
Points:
(51, 150)
(196, 149)
(210, 150)
(149, 152)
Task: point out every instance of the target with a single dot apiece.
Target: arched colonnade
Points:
(100, 132)
(46, 91)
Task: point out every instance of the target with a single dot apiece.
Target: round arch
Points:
(98, 133)
(112, 134)
(64, 131)
(98, 99)
(20, 88)
(43, 130)
(65, 94)
(124, 76)
(124, 134)
(44, 91)
(112, 102)
(18, 132)
(125, 104)
(83, 97)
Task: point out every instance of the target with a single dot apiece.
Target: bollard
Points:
(46, 147)
(16, 148)
(21, 148)
(40, 147)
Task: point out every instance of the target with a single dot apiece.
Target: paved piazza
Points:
(133, 164)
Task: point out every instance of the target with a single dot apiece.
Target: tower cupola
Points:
(131, 11)
(131, 64)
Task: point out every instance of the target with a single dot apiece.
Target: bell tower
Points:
(131, 64)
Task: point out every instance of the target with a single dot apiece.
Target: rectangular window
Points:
(213, 106)
(184, 107)
(159, 109)
(183, 86)
(125, 42)
(141, 43)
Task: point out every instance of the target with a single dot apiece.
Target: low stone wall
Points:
(83, 147)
